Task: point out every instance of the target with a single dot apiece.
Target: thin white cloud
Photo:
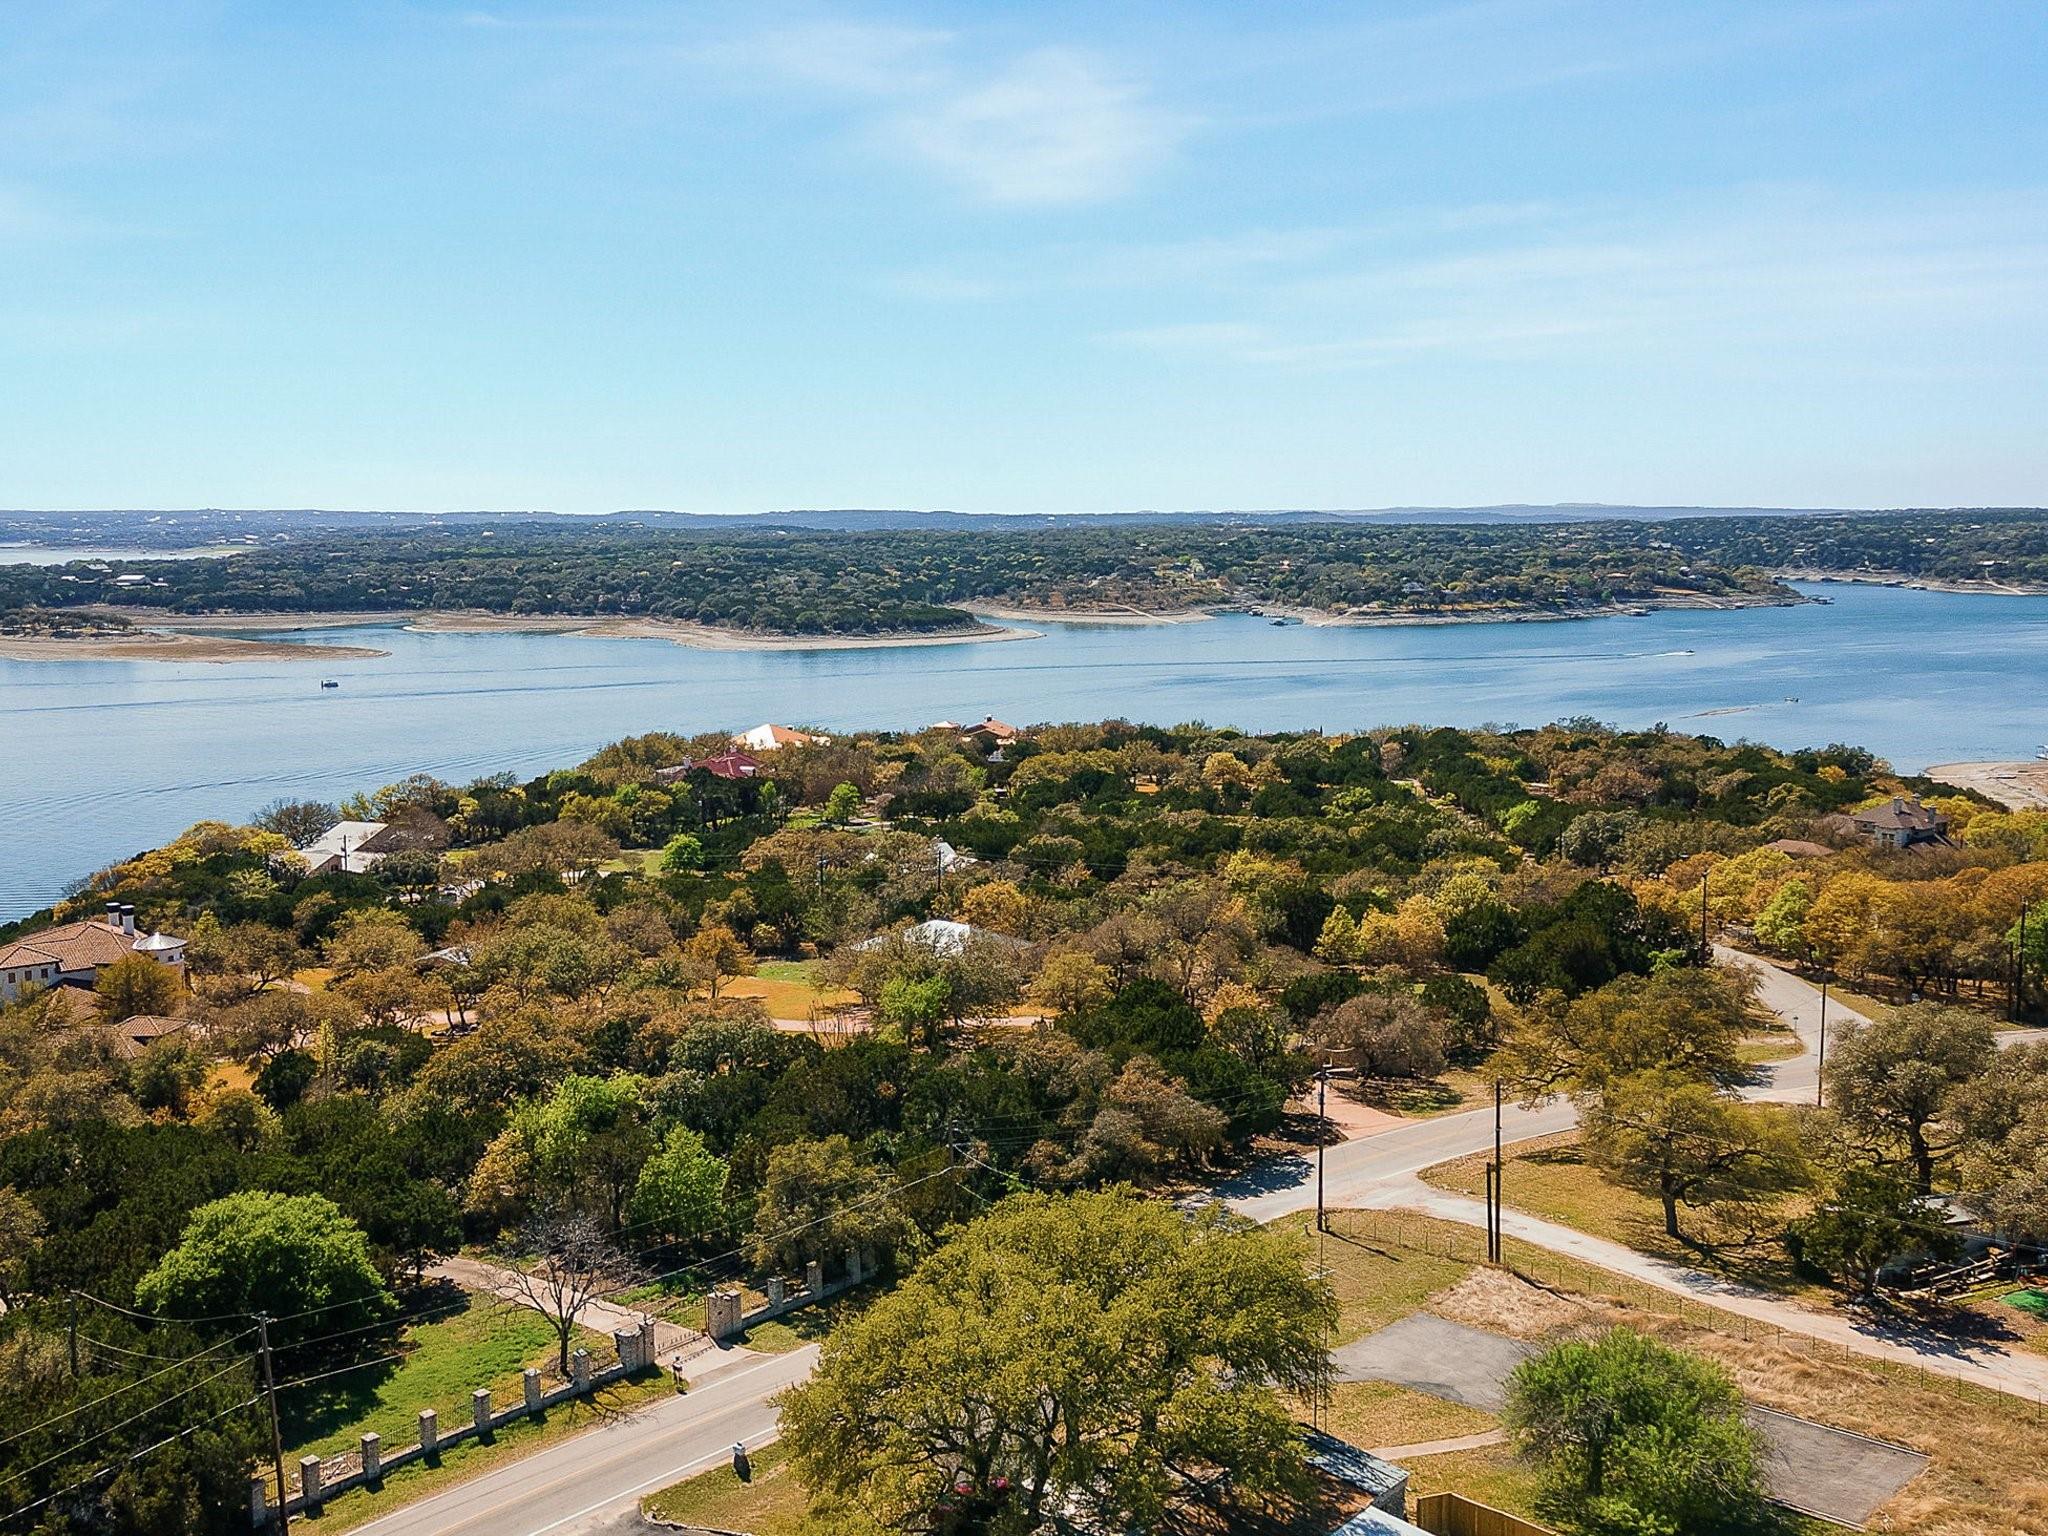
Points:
(1053, 126)
(1760, 274)
(1047, 126)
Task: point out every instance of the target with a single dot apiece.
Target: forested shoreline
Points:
(806, 582)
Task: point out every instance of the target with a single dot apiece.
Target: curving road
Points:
(591, 1483)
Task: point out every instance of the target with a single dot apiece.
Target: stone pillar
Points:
(259, 1505)
(626, 1343)
(647, 1350)
(814, 1277)
(530, 1384)
(480, 1410)
(579, 1372)
(854, 1272)
(430, 1432)
(309, 1480)
(373, 1457)
(778, 1290)
(722, 1314)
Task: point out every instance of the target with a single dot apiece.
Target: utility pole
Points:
(1323, 1076)
(1322, 1140)
(2019, 965)
(1500, 1241)
(284, 1519)
(1820, 1065)
(1706, 949)
(73, 1297)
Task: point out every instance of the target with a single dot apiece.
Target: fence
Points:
(1423, 1234)
(367, 1467)
(1451, 1514)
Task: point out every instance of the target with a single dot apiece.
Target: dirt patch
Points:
(1504, 1302)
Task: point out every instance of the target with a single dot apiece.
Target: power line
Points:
(118, 1391)
(24, 1472)
(134, 1457)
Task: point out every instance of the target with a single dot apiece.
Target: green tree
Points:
(1889, 1080)
(136, 984)
(21, 1234)
(258, 1251)
(1638, 1439)
(683, 853)
(680, 1193)
(823, 1200)
(1105, 1356)
(1687, 1143)
(1870, 1217)
(843, 804)
(1683, 1020)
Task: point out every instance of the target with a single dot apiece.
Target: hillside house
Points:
(346, 848)
(773, 738)
(72, 953)
(1901, 822)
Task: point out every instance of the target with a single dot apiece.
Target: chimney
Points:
(114, 914)
(128, 917)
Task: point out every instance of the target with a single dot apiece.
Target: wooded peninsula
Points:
(769, 580)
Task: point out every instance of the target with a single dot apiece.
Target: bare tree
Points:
(571, 1264)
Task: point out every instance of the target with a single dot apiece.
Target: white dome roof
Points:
(157, 943)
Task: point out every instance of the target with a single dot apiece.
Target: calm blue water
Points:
(100, 759)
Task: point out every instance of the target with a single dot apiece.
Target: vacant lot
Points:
(1988, 1468)
(1548, 1177)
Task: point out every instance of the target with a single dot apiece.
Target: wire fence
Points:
(1448, 1241)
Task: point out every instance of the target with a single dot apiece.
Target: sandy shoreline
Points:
(1015, 613)
(1985, 588)
(1317, 619)
(154, 645)
(597, 626)
(2020, 786)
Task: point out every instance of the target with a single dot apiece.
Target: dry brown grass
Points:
(1380, 1413)
(1989, 1469)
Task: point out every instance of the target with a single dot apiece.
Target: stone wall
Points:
(320, 1480)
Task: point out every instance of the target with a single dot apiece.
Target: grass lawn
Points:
(470, 1457)
(1380, 1279)
(1380, 1413)
(773, 1504)
(1548, 1178)
(483, 1344)
(789, 989)
(1761, 1050)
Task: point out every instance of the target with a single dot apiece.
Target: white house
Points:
(346, 848)
(73, 953)
(773, 738)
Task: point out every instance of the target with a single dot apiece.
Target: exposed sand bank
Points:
(1026, 614)
(600, 626)
(1984, 588)
(152, 645)
(2021, 786)
(1316, 618)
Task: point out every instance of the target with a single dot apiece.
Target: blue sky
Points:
(1048, 257)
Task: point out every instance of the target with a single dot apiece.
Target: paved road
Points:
(588, 1482)
(1378, 1172)
(1355, 1170)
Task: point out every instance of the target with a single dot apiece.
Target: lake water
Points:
(101, 759)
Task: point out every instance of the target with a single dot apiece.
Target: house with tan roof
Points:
(71, 954)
